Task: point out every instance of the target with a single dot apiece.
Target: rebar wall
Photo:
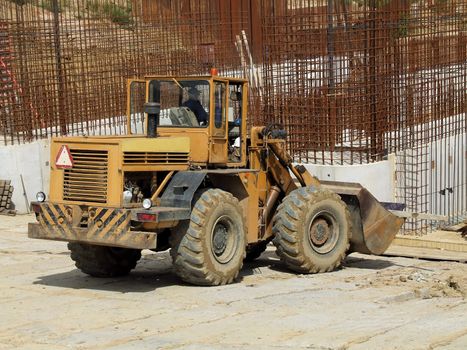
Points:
(64, 63)
(369, 77)
(351, 80)
(354, 81)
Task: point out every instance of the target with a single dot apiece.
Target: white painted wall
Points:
(379, 178)
(432, 178)
(31, 161)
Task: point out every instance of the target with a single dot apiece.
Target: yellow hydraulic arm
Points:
(279, 162)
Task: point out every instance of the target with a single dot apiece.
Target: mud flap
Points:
(373, 227)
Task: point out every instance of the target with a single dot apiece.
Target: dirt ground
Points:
(372, 303)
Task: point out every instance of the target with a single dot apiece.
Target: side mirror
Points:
(235, 96)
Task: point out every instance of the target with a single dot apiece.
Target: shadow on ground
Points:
(270, 259)
(152, 272)
(360, 262)
(155, 271)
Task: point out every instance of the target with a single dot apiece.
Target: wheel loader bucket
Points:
(373, 227)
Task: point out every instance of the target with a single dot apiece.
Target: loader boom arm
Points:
(373, 227)
(279, 162)
(303, 176)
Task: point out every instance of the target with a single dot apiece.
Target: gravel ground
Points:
(372, 303)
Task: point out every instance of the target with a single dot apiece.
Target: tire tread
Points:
(286, 225)
(187, 243)
(101, 261)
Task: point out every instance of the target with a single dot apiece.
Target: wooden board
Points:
(462, 227)
(426, 253)
(438, 245)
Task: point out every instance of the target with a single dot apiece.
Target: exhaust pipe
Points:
(153, 110)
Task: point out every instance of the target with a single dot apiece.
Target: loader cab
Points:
(210, 110)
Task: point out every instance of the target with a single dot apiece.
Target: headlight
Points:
(147, 203)
(40, 197)
(127, 197)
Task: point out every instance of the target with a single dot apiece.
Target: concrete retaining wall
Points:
(378, 178)
(29, 162)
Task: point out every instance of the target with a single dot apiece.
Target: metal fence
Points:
(351, 80)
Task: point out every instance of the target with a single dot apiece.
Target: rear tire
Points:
(312, 230)
(102, 261)
(209, 248)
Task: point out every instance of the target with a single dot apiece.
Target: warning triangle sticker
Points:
(64, 159)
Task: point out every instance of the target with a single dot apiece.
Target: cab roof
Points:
(192, 77)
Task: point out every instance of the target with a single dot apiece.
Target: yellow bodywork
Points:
(86, 200)
(106, 226)
(106, 159)
(88, 196)
(207, 146)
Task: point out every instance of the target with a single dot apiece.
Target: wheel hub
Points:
(224, 240)
(320, 232)
(219, 239)
(323, 232)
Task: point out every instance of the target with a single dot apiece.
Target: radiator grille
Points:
(87, 180)
(151, 158)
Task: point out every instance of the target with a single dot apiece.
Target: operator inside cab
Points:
(195, 106)
(184, 103)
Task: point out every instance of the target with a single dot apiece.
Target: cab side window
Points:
(219, 108)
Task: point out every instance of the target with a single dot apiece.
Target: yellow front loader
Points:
(190, 177)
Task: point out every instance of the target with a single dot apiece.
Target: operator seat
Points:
(183, 116)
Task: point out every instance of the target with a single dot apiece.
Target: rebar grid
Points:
(65, 63)
(353, 81)
(368, 77)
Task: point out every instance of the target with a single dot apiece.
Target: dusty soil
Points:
(371, 303)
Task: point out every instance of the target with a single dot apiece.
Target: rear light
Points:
(146, 217)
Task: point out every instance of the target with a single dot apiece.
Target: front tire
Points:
(312, 230)
(102, 261)
(210, 247)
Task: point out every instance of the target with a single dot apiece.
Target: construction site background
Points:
(351, 81)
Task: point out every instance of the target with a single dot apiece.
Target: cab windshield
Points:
(184, 103)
